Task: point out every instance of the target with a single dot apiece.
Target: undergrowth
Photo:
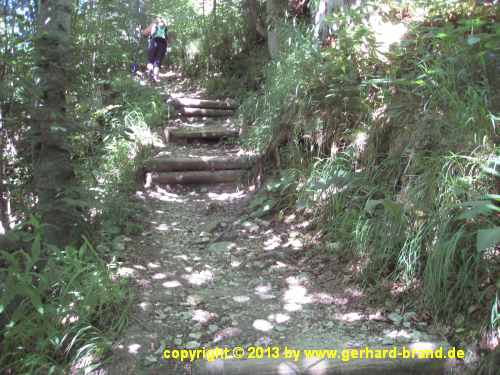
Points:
(66, 305)
(390, 147)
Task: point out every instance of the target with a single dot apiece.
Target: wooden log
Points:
(175, 164)
(323, 367)
(204, 103)
(172, 134)
(195, 177)
(205, 112)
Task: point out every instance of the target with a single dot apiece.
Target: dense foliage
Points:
(390, 143)
(395, 151)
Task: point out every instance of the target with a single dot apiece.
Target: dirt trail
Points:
(207, 276)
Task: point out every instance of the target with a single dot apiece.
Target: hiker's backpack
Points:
(160, 32)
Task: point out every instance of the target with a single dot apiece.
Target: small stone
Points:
(395, 318)
(250, 227)
(219, 247)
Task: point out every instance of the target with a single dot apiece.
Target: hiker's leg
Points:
(152, 51)
(160, 53)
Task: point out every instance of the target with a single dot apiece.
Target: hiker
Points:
(157, 33)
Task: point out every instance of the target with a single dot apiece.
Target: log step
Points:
(204, 103)
(204, 163)
(172, 134)
(204, 112)
(195, 177)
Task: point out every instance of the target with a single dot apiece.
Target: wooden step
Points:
(203, 163)
(204, 112)
(214, 134)
(205, 103)
(194, 177)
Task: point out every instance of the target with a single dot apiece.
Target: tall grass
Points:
(391, 147)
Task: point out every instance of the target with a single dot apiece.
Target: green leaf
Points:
(487, 238)
(371, 204)
(471, 40)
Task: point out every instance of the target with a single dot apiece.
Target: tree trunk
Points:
(52, 168)
(276, 10)
(250, 15)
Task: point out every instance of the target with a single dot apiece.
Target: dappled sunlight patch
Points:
(125, 272)
(134, 348)
(144, 306)
(297, 294)
(159, 276)
(163, 227)
(227, 196)
(203, 316)
(199, 278)
(272, 243)
(323, 299)
(349, 317)
(315, 366)
(398, 334)
(279, 265)
(262, 325)
(279, 318)
(241, 299)
(263, 291)
(182, 257)
(172, 284)
(165, 196)
(285, 369)
(69, 319)
(292, 307)
(139, 267)
(153, 265)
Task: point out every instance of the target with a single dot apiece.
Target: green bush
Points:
(390, 148)
(67, 308)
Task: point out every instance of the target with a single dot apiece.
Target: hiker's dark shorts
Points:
(156, 51)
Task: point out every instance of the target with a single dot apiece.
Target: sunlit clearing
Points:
(171, 284)
(262, 325)
(134, 348)
(159, 276)
(349, 317)
(125, 272)
(199, 278)
(297, 294)
(279, 318)
(153, 265)
(241, 299)
(315, 367)
(292, 307)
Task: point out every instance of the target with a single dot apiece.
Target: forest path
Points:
(209, 274)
